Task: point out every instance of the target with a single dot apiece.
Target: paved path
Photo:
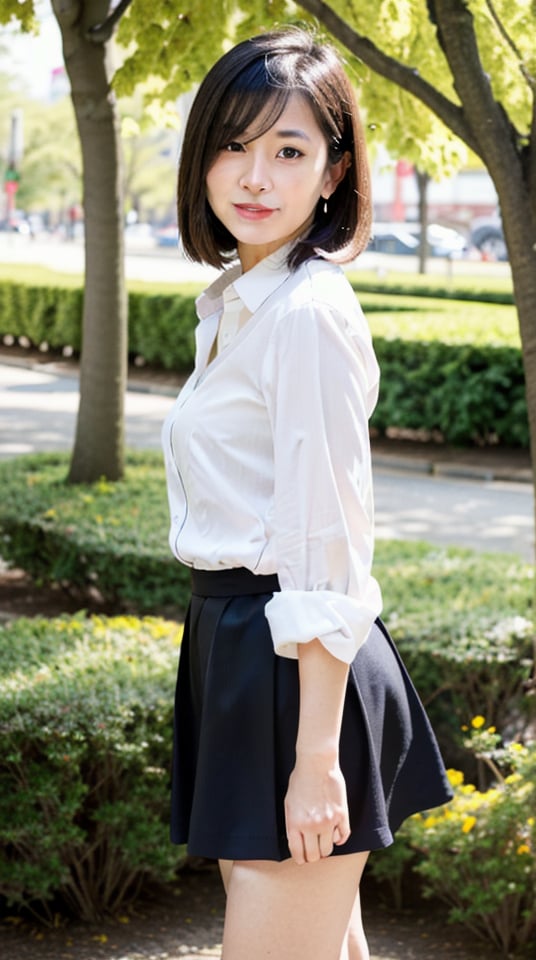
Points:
(485, 515)
(38, 412)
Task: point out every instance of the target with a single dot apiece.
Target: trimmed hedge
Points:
(42, 314)
(467, 394)
(460, 392)
(110, 536)
(85, 722)
(461, 619)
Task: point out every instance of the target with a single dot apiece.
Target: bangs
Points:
(250, 105)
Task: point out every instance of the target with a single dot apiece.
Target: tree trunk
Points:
(99, 443)
(422, 186)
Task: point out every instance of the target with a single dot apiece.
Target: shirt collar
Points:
(253, 287)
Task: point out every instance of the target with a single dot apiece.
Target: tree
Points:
(149, 136)
(52, 166)
(472, 63)
(87, 28)
(449, 75)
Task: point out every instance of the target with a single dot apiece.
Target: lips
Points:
(253, 211)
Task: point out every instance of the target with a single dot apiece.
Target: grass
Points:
(450, 321)
(37, 275)
(390, 315)
(468, 283)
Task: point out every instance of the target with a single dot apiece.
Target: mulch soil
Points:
(185, 922)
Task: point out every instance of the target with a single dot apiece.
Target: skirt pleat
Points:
(236, 720)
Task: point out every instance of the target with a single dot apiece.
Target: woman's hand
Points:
(316, 809)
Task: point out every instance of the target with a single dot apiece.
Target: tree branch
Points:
(482, 112)
(531, 81)
(406, 77)
(102, 32)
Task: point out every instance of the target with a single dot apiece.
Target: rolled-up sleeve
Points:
(320, 383)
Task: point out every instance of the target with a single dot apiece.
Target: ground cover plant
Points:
(85, 723)
(462, 620)
(478, 853)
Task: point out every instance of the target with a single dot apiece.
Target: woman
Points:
(300, 744)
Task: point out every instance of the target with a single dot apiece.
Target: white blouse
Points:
(267, 451)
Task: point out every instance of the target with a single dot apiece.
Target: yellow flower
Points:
(491, 730)
(429, 823)
(468, 788)
(530, 822)
(513, 778)
(478, 722)
(523, 848)
(468, 824)
(50, 514)
(455, 777)
(517, 747)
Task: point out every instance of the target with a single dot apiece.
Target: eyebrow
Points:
(296, 134)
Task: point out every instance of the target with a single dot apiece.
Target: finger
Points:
(311, 846)
(325, 843)
(295, 845)
(341, 833)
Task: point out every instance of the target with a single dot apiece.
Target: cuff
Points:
(341, 623)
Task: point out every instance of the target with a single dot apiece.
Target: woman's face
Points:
(265, 191)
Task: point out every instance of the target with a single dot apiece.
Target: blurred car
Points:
(404, 238)
(167, 236)
(488, 237)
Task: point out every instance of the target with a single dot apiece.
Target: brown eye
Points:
(290, 153)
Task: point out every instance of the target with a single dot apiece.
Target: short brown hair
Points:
(248, 89)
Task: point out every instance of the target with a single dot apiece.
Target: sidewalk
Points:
(412, 455)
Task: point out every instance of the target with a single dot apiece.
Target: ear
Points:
(335, 174)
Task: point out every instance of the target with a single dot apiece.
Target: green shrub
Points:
(85, 722)
(112, 537)
(161, 329)
(478, 852)
(462, 620)
(42, 314)
(469, 394)
(452, 368)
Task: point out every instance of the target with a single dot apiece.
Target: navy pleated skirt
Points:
(236, 718)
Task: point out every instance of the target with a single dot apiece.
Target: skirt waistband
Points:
(235, 582)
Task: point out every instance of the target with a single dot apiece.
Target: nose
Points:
(255, 176)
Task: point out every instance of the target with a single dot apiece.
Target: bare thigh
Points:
(289, 912)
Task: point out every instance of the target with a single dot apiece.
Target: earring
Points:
(325, 206)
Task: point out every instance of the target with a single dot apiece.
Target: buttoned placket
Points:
(232, 317)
